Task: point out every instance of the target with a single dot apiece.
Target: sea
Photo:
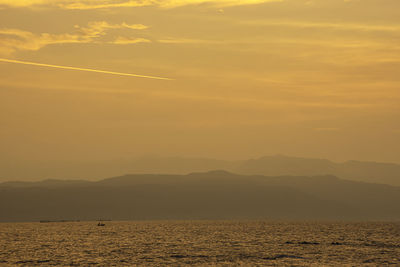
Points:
(200, 243)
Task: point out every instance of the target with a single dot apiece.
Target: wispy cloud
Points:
(99, 28)
(288, 41)
(219, 3)
(323, 25)
(101, 4)
(12, 40)
(23, 3)
(126, 41)
(190, 41)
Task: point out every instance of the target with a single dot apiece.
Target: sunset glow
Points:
(315, 78)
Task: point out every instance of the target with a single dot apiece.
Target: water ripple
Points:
(216, 243)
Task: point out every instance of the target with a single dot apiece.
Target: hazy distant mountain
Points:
(384, 173)
(211, 195)
(94, 170)
(46, 183)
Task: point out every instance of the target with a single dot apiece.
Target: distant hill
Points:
(95, 170)
(373, 172)
(209, 195)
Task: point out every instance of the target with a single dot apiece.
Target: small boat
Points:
(101, 224)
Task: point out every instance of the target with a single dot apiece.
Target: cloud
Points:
(12, 40)
(190, 41)
(219, 3)
(101, 4)
(324, 25)
(125, 41)
(23, 3)
(98, 28)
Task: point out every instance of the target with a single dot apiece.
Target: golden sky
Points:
(313, 78)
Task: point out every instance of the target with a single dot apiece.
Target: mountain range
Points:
(199, 195)
(278, 165)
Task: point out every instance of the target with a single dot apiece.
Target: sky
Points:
(227, 79)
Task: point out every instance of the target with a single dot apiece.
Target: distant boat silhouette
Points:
(101, 224)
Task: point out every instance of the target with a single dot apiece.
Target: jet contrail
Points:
(81, 69)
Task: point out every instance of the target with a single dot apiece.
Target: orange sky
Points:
(314, 78)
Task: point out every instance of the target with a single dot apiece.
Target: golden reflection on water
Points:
(199, 243)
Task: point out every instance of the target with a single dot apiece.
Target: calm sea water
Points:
(205, 243)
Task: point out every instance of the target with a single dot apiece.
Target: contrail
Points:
(81, 69)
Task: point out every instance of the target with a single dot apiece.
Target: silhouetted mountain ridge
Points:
(374, 172)
(209, 195)
(384, 173)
